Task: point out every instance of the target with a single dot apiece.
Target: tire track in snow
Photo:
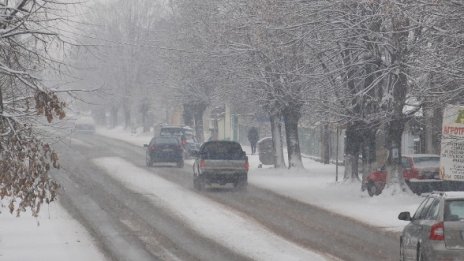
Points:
(205, 216)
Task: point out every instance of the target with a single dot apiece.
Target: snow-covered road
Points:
(215, 221)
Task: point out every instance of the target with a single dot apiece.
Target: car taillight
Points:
(437, 232)
(246, 165)
(202, 164)
(152, 148)
(416, 173)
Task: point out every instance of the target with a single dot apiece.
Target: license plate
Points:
(167, 150)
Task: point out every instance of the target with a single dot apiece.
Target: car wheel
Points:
(372, 189)
(148, 160)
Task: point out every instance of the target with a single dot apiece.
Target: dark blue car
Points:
(164, 150)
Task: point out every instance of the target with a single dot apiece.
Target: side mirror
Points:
(406, 216)
(145, 145)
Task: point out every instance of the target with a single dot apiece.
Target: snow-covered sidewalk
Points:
(316, 185)
(53, 236)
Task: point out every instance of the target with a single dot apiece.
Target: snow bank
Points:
(207, 217)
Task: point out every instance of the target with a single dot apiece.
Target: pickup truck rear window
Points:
(222, 150)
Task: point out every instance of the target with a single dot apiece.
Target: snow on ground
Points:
(206, 216)
(118, 133)
(53, 236)
(316, 185)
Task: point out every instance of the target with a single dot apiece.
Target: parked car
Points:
(436, 231)
(419, 171)
(186, 136)
(84, 125)
(164, 150)
(220, 162)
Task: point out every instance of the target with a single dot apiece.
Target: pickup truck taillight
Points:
(202, 164)
(246, 165)
(437, 231)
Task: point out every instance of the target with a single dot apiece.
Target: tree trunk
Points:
(394, 135)
(188, 114)
(325, 148)
(352, 148)
(291, 118)
(1, 100)
(276, 131)
(114, 116)
(428, 129)
(127, 117)
(368, 151)
(198, 111)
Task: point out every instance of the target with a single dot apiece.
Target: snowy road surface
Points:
(136, 213)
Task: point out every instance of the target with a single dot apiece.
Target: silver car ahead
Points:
(436, 231)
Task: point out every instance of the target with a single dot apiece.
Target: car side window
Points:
(421, 207)
(425, 209)
(432, 213)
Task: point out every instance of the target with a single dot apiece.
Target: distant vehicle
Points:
(436, 231)
(164, 150)
(220, 162)
(187, 138)
(85, 125)
(419, 171)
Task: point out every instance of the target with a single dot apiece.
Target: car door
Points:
(412, 233)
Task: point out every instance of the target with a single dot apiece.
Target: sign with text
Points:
(452, 144)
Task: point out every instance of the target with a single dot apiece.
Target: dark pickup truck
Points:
(220, 162)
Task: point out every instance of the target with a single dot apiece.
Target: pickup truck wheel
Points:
(241, 183)
(180, 164)
(199, 183)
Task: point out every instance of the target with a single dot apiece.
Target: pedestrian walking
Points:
(253, 137)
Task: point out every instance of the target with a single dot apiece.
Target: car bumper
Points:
(224, 177)
(438, 252)
(165, 158)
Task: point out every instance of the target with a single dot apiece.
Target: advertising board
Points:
(452, 144)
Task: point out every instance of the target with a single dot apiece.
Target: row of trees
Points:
(362, 65)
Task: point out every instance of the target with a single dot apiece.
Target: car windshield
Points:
(166, 140)
(171, 132)
(427, 162)
(223, 150)
(454, 210)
